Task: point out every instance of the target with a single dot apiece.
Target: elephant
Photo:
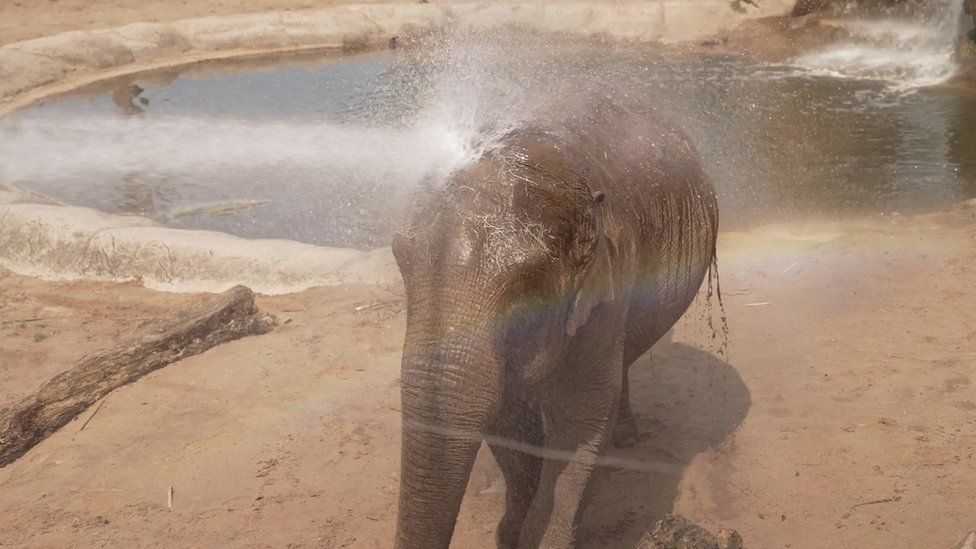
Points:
(534, 277)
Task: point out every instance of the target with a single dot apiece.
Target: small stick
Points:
(892, 499)
(169, 497)
(374, 305)
(97, 408)
(875, 502)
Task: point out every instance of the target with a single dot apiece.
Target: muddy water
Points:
(326, 149)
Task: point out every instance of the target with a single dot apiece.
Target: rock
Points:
(677, 532)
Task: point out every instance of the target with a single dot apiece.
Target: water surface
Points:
(326, 150)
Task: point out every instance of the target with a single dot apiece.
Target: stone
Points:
(677, 532)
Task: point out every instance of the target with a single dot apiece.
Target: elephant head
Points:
(502, 265)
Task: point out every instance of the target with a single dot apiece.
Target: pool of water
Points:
(325, 149)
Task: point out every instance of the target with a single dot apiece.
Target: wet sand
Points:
(841, 416)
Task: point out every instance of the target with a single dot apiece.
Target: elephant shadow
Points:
(687, 401)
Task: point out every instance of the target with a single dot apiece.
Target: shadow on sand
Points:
(686, 401)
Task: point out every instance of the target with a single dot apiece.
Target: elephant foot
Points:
(625, 433)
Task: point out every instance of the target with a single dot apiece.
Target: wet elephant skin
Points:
(535, 277)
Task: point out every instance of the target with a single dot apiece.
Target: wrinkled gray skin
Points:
(534, 278)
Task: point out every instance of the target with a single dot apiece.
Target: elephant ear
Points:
(595, 284)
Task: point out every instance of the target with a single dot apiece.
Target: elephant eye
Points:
(532, 273)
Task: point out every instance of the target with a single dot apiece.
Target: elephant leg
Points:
(518, 425)
(579, 420)
(625, 432)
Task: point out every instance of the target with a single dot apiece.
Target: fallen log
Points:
(230, 315)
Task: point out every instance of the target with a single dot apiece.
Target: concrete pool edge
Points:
(66, 243)
(38, 68)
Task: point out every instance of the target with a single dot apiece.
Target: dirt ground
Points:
(842, 415)
(767, 38)
(26, 19)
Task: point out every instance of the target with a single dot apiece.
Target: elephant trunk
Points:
(449, 391)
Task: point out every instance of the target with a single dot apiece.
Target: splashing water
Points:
(482, 87)
(157, 146)
(910, 51)
(321, 180)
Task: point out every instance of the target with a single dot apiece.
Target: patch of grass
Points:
(22, 325)
(39, 337)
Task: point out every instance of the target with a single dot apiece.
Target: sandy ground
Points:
(841, 416)
(26, 19)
